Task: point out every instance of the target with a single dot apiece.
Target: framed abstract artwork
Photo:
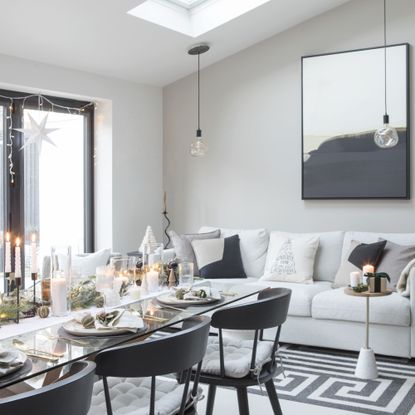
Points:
(343, 102)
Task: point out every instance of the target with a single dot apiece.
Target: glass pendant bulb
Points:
(198, 148)
(386, 136)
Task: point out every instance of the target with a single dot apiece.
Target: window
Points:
(48, 189)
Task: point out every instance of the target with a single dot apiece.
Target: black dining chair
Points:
(129, 373)
(236, 363)
(69, 396)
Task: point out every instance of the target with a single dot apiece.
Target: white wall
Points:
(251, 118)
(128, 145)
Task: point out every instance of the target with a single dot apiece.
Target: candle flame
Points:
(7, 236)
(33, 237)
(17, 241)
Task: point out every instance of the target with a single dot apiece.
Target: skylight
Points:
(193, 17)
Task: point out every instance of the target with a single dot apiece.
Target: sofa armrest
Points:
(411, 283)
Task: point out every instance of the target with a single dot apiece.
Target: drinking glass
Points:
(186, 274)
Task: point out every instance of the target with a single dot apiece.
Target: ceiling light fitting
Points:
(198, 148)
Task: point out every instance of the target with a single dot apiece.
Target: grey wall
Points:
(251, 118)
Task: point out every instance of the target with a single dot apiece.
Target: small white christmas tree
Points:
(149, 238)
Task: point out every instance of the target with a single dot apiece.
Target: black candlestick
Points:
(34, 279)
(7, 276)
(164, 213)
(18, 282)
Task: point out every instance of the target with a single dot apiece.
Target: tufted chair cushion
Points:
(131, 396)
(237, 356)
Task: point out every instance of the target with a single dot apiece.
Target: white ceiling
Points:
(99, 37)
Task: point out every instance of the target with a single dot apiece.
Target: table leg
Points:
(366, 364)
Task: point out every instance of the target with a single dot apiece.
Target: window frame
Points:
(13, 197)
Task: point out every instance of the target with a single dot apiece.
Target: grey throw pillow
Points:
(183, 245)
(394, 260)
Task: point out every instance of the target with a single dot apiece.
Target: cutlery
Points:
(36, 353)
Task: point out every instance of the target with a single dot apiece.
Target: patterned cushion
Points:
(219, 258)
(237, 354)
(131, 396)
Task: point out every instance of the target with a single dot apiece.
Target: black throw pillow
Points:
(219, 258)
(367, 254)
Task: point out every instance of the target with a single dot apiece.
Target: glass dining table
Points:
(52, 349)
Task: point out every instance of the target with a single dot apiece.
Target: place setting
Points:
(13, 364)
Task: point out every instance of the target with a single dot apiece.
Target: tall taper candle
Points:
(33, 249)
(8, 255)
(17, 261)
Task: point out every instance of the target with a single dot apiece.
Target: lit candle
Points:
(33, 247)
(17, 262)
(152, 280)
(367, 269)
(354, 278)
(8, 255)
(58, 295)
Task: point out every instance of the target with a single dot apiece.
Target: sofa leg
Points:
(210, 399)
(243, 401)
(273, 397)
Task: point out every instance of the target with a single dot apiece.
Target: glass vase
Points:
(152, 266)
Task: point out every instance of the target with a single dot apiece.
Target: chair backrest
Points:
(268, 311)
(69, 396)
(177, 352)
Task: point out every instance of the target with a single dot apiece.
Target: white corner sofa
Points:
(322, 316)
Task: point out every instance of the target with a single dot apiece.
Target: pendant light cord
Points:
(198, 91)
(385, 43)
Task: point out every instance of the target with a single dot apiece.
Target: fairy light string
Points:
(9, 120)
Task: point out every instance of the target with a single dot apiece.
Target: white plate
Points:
(77, 329)
(170, 299)
(7, 371)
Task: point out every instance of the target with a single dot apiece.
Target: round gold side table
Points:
(366, 367)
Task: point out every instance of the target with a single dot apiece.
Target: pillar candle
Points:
(58, 296)
(33, 248)
(8, 254)
(152, 280)
(355, 278)
(367, 269)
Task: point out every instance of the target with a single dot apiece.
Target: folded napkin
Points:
(210, 293)
(10, 361)
(125, 320)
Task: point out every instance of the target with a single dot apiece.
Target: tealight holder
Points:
(153, 268)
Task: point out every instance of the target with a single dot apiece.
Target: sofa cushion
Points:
(334, 304)
(360, 254)
(301, 294)
(219, 258)
(254, 246)
(327, 258)
(290, 259)
(369, 237)
(183, 245)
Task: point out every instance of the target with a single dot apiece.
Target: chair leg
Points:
(210, 399)
(273, 397)
(243, 401)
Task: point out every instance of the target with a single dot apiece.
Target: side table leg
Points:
(366, 364)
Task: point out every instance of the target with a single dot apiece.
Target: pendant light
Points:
(386, 136)
(198, 147)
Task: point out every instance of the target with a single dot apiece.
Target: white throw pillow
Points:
(85, 265)
(291, 259)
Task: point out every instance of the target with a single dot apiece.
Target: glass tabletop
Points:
(52, 348)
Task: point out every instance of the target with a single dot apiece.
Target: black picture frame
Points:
(306, 193)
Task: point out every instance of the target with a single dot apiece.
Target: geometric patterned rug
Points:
(325, 377)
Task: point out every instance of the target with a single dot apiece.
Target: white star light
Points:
(37, 133)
